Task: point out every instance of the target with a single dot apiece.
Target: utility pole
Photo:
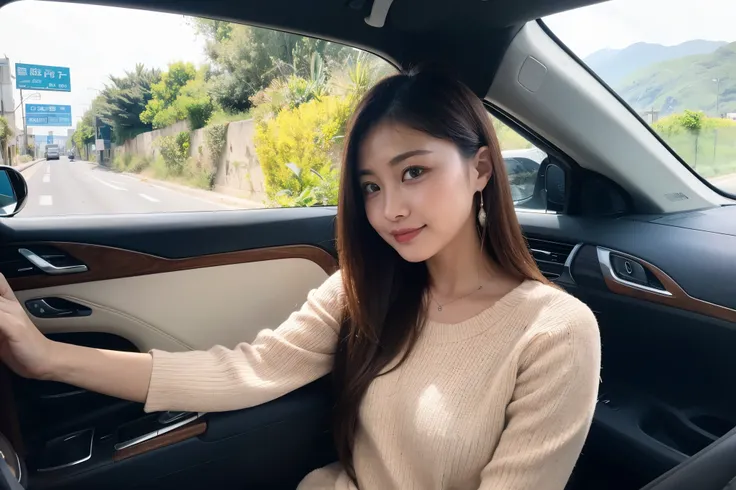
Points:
(2, 98)
(25, 126)
(718, 115)
(718, 94)
(652, 115)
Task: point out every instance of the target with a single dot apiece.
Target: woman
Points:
(456, 364)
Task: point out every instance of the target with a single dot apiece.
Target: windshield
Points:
(674, 63)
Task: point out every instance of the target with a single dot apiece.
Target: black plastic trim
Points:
(180, 235)
(703, 263)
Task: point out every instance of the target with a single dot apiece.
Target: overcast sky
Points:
(97, 41)
(620, 23)
(93, 42)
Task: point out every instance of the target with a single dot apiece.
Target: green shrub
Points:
(215, 137)
(296, 150)
(121, 161)
(707, 144)
(198, 109)
(127, 162)
(198, 174)
(159, 169)
(139, 164)
(174, 151)
(289, 93)
(323, 194)
(220, 116)
(5, 131)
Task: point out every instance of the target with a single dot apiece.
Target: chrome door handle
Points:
(48, 267)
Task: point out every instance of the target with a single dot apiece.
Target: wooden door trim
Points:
(167, 439)
(672, 294)
(106, 263)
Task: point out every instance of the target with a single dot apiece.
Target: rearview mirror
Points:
(13, 192)
(554, 184)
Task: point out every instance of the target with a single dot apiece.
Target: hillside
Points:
(614, 65)
(684, 83)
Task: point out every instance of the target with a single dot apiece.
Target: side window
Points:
(523, 161)
(221, 116)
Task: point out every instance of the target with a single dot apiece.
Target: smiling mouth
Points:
(407, 235)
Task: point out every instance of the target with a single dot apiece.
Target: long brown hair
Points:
(385, 294)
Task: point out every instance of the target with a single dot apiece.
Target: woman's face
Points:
(418, 189)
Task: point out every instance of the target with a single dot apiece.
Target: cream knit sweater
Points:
(502, 401)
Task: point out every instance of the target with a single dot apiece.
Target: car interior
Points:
(616, 218)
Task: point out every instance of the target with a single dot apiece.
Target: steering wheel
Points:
(12, 471)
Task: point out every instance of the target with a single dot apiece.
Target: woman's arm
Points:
(278, 361)
(551, 409)
(119, 374)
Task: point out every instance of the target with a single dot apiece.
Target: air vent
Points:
(550, 256)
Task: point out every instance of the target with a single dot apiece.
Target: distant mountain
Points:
(613, 65)
(685, 83)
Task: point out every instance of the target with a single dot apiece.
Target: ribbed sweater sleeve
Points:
(552, 405)
(278, 361)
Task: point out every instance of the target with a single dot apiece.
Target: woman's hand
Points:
(31, 355)
(22, 346)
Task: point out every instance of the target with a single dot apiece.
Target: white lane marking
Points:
(159, 187)
(117, 188)
(46, 201)
(47, 178)
(152, 199)
(48, 168)
(128, 177)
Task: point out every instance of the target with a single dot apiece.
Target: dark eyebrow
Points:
(400, 158)
(403, 156)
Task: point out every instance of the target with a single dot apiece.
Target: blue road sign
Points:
(49, 139)
(48, 115)
(42, 77)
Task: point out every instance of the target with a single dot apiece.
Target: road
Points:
(61, 187)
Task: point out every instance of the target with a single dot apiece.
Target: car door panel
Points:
(667, 358)
(270, 446)
(179, 288)
(190, 309)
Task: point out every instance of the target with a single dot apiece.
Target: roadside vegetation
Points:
(6, 133)
(299, 91)
(707, 144)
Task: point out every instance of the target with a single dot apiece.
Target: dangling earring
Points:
(481, 212)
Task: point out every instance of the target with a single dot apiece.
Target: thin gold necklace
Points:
(440, 306)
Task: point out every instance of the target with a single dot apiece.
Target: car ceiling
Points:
(468, 37)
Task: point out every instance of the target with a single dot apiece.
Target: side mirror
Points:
(13, 192)
(554, 184)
